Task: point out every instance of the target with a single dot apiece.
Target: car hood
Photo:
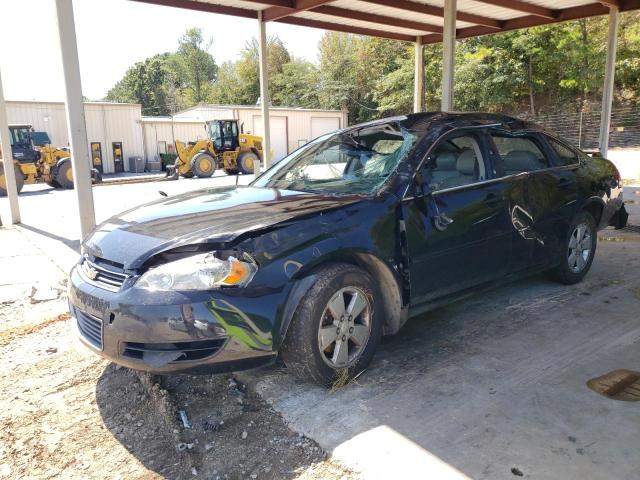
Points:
(217, 215)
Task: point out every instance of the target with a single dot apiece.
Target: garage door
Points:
(278, 127)
(322, 125)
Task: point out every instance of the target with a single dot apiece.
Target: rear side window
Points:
(564, 154)
(518, 153)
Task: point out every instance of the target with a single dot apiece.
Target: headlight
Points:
(199, 272)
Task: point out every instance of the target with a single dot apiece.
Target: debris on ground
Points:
(76, 415)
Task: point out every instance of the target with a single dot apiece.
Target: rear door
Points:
(540, 196)
(458, 233)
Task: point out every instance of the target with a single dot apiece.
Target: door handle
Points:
(492, 199)
(441, 222)
(564, 183)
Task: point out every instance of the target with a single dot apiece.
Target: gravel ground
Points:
(67, 413)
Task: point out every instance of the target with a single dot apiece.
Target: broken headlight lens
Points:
(199, 272)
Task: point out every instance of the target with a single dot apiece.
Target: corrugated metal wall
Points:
(164, 130)
(106, 123)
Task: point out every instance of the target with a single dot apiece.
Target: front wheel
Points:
(203, 165)
(579, 250)
(336, 328)
(3, 180)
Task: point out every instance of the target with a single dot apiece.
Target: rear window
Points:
(518, 153)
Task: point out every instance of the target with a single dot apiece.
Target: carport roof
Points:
(407, 19)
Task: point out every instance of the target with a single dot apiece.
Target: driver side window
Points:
(455, 162)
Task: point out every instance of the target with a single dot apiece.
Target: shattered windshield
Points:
(356, 161)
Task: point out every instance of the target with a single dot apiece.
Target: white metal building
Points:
(114, 130)
(118, 131)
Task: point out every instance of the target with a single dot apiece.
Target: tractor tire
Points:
(246, 161)
(64, 174)
(3, 180)
(189, 174)
(203, 165)
(53, 184)
(231, 171)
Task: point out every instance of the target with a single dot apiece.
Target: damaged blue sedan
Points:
(340, 243)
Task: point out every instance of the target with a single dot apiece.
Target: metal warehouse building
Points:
(118, 131)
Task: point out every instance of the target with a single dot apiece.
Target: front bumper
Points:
(173, 332)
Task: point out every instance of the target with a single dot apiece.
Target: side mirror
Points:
(242, 127)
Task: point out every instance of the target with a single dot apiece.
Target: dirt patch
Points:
(67, 412)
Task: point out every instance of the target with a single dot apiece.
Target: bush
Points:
(167, 159)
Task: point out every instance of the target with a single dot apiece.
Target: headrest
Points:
(521, 161)
(446, 161)
(466, 162)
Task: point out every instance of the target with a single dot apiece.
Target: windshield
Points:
(357, 161)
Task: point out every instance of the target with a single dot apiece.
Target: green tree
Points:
(195, 67)
(296, 85)
(146, 83)
(240, 83)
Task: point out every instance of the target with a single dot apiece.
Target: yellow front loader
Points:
(48, 164)
(224, 148)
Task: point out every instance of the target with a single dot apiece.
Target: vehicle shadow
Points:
(233, 434)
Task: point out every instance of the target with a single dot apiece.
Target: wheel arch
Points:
(595, 207)
(395, 314)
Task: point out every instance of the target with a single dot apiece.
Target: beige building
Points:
(114, 130)
(118, 131)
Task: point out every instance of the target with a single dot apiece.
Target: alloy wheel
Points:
(345, 327)
(579, 248)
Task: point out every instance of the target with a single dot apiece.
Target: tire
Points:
(246, 161)
(64, 174)
(3, 180)
(302, 350)
(203, 165)
(230, 171)
(576, 261)
(53, 184)
(189, 174)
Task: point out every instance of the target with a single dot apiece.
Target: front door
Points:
(96, 156)
(458, 231)
(118, 157)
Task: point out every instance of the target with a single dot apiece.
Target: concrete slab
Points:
(490, 384)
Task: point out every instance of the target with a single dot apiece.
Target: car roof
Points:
(421, 122)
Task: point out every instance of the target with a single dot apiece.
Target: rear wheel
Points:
(579, 250)
(336, 328)
(64, 174)
(246, 162)
(203, 165)
(3, 180)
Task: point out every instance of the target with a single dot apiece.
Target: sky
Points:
(113, 35)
